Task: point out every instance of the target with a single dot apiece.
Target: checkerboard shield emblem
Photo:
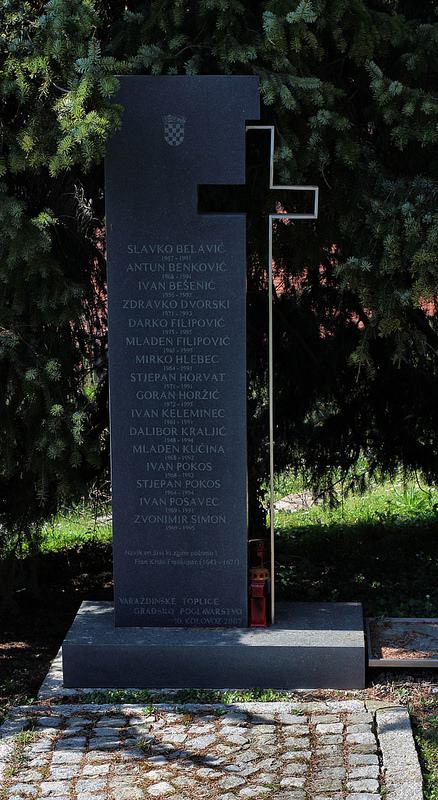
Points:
(174, 129)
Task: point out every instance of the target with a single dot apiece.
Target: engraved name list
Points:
(178, 380)
(176, 301)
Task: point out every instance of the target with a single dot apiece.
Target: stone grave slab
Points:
(311, 645)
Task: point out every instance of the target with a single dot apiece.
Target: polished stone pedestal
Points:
(311, 645)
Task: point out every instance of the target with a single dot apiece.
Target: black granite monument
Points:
(176, 286)
(176, 298)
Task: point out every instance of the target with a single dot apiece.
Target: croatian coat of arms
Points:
(174, 129)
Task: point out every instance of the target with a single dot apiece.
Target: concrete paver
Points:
(282, 751)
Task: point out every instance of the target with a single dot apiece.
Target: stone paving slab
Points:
(281, 751)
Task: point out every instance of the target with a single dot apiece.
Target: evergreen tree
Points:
(54, 118)
(350, 86)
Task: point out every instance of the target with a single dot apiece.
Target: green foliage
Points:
(56, 114)
(51, 63)
(413, 501)
(425, 731)
(351, 89)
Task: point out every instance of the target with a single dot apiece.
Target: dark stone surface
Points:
(311, 645)
(176, 289)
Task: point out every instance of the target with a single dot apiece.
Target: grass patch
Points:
(380, 549)
(182, 696)
(380, 500)
(74, 527)
(424, 717)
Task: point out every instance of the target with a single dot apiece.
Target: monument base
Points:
(311, 645)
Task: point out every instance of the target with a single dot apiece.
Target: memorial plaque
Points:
(176, 302)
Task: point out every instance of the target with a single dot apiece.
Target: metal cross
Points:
(281, 217)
